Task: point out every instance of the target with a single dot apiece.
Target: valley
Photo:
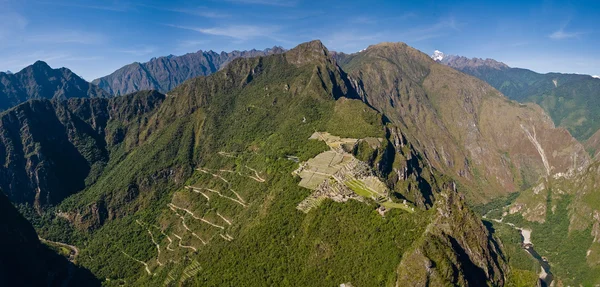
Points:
(304, 167)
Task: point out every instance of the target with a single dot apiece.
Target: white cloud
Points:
(561, 34)
(286, 3)
(239, 32)
(199, 11)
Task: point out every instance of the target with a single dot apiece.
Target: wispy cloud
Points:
(198, 11)
(138, 51)
(439, 29)
(561, 34)
(67, 37)
(11, 23)
(285, 3)
(239, 32)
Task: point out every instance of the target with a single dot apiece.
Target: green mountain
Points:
(165, 73)
(25, 261)
(52, 149)
(289, 169)
(465, 129)
(39, 81)
(571, 100)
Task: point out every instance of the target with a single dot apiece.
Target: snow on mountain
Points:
(596, 76)
(437, 55)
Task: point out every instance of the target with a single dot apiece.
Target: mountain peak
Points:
(39, 64)
(307, 52)
(437, 55)
(460, 62)
(596, 76)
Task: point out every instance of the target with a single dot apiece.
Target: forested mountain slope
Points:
(285, 169)
(25, 261)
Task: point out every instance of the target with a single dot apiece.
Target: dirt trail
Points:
(227, 237)
(170, 241)
(213, 174)
(198, 190)
(74, 250)
(184, 246)
(240, 201)
(227, 154)
(153, 241)
(186, 227)
(173, 206)
(256, 175)
(224, 219)
(142, 262)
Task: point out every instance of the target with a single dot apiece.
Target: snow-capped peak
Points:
(437, 55)
(597, 77)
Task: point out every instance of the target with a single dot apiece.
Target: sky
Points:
(94, 38)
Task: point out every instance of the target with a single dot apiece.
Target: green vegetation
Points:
(197, 187)
(565, 248)
(360, 188)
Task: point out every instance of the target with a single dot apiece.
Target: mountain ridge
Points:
(165, 73)
(40, 81)
(570, 99)
(182, 184)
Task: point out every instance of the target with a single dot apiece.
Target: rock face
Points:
(456, 249)
(463, 127)
(52, 149)
(39, 81)
(24, 261)
(571, 100)
(463, 63)
(165, 73)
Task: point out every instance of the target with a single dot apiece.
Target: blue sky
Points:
(94, 38)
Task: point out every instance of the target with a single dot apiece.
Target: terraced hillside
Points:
(285, 170)
(197, 187)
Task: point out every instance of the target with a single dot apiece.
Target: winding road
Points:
(74, 250)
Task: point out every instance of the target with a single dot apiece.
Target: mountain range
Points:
(165, 73)
(571, 100)
(301, 167)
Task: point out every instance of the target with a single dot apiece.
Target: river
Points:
(545, 276)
